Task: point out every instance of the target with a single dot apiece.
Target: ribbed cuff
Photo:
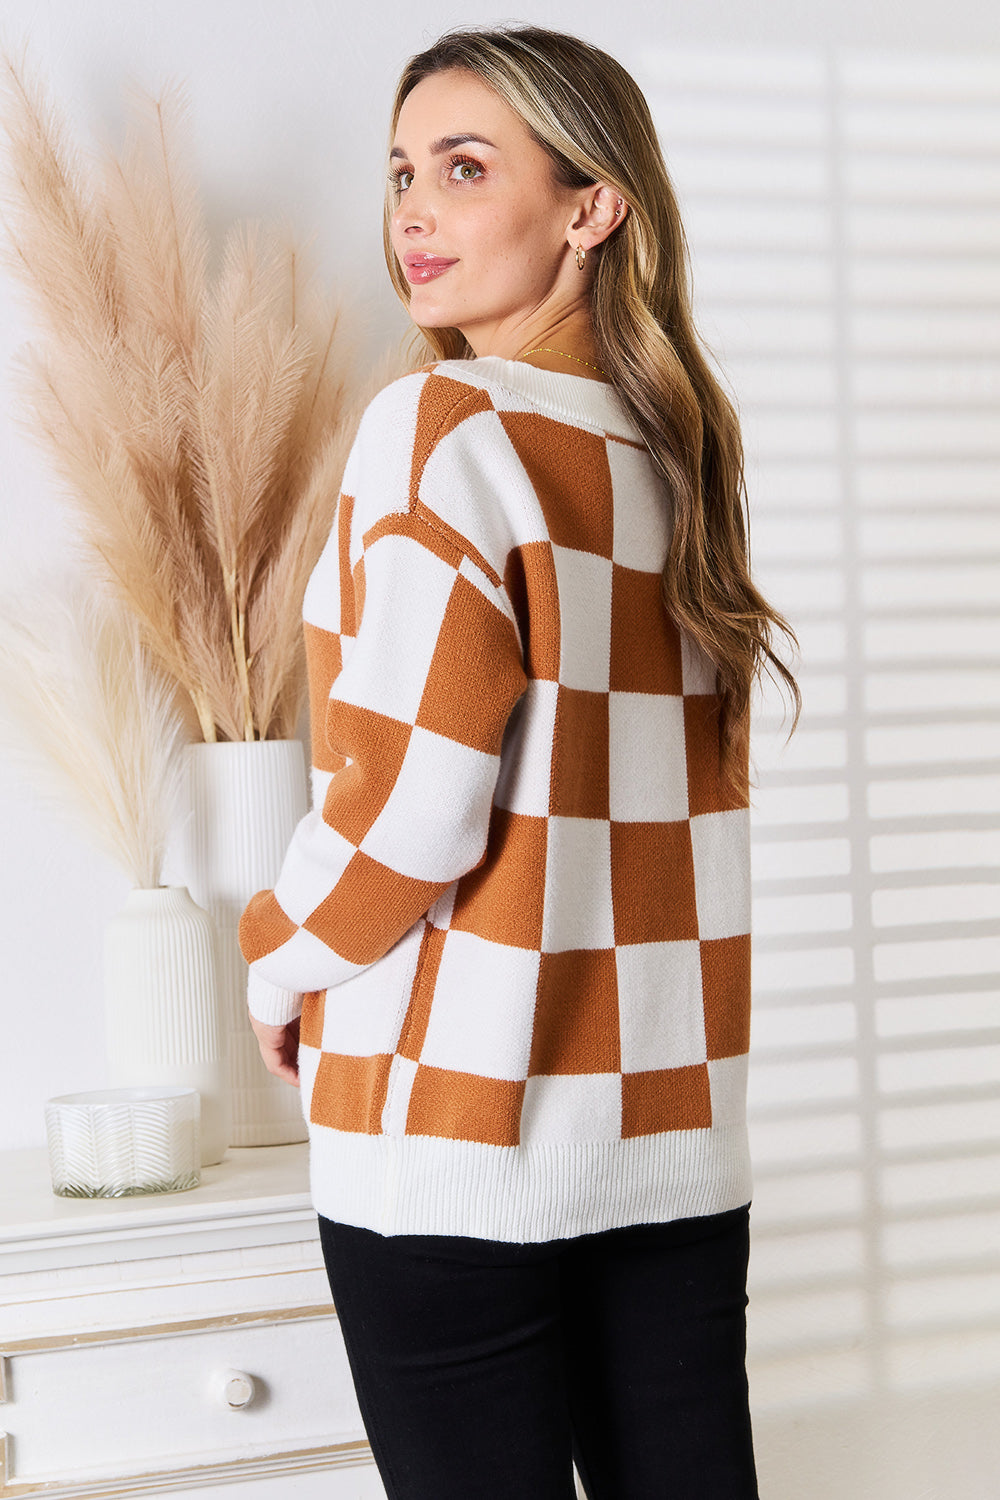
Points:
(267, 1003)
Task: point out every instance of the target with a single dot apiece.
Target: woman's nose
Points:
(414, 211)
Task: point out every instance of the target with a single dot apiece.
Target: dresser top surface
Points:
(249, 1182)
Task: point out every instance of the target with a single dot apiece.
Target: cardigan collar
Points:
(574, 398)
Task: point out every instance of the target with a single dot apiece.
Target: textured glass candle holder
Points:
(119, 1143)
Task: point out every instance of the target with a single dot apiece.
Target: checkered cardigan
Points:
(517, 920)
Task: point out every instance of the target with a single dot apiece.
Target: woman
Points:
(516, 923)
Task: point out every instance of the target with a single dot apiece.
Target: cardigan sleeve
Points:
(418, 713)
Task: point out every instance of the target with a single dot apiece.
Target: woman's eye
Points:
(467, 171)
(401, 180)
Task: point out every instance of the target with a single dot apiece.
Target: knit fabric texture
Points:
(516, 921)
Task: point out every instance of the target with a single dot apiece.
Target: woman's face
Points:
(482, 231)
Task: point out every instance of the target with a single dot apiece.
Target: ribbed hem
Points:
(428, 1185)
(574, 398)
(271, 1004)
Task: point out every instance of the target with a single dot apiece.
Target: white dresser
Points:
(184, 1342)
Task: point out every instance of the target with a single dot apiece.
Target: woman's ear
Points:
(600, 212)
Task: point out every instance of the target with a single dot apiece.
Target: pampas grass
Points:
(89, 720)
(200, 425)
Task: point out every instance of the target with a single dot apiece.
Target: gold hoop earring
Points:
(581, 256)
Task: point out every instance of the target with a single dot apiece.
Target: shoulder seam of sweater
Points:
(427, 517)
(423, 513)
(428, 520)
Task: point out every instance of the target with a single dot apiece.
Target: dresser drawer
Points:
(136, 1411)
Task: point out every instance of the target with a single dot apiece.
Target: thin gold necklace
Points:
(543, 350)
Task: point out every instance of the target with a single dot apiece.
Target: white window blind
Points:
(843, 211)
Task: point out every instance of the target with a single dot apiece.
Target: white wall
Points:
(840, 173)
(844, 209)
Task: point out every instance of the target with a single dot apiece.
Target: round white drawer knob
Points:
(234, 1388)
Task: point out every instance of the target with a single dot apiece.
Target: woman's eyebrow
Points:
(446, 143)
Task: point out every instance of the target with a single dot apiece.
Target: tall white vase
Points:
(161, 1003)
(245, 802)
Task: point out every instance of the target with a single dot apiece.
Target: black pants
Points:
(482, 1368)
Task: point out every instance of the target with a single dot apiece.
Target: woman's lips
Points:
(425, 267)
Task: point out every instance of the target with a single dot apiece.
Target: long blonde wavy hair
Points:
(590, 116)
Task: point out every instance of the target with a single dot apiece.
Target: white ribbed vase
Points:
(161, 1002)
(245, 802)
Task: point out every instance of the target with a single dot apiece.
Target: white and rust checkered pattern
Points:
(519, 912)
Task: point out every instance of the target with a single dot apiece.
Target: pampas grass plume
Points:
(199, 424)
(89, 720)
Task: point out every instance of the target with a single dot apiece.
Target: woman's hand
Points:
(279, 1047)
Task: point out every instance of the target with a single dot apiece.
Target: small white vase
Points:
(245, 800)
(162, 1005)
